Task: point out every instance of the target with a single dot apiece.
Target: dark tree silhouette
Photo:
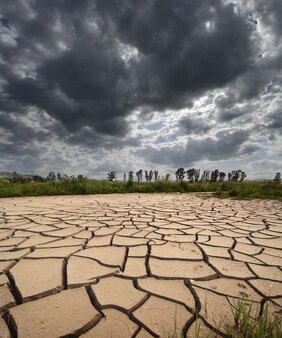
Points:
(151, 174)
(111, 176)
(130, 176)
(83, 178)
(139, 175)
(277, 178)
(214, 175)
(146, 176)
(242, 175)
(236, 175)
(197, 175)
(51, 176)
(221, 176)
(191, 174)
(124, 177)
(156, 175)
(167, 177)
(180, 174)
(205, 176)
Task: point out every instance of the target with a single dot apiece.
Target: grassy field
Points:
(248, 189)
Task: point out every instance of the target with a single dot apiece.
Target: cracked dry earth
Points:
(135, 265)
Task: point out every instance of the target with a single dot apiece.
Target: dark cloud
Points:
(274, 121)
(193, 125)
(184, 48)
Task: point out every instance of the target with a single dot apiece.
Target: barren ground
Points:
(135, 265)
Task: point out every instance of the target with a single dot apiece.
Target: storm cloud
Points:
(82, 81)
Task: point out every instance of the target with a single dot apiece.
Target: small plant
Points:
(260, 326)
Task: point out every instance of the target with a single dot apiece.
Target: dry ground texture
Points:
(135, 265)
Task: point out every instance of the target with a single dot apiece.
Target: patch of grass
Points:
(245, 325)
(262, 326)
(82, 187)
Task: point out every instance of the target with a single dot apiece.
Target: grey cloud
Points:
(226, 145)
(193, 125)
(89, 84)
(274, 121)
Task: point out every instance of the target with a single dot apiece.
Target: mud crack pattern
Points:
(135, 265)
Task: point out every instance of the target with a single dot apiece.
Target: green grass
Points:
(81, 187)
(261, 326)
(244, 325)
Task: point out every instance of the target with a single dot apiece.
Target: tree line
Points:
(181, 175)
(191, 175)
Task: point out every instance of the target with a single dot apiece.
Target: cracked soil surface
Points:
(135, 265)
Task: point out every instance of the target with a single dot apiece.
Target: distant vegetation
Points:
(186, 181)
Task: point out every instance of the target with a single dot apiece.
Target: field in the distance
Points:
(247, 189)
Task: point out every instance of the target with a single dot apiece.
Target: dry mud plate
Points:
(135, 265)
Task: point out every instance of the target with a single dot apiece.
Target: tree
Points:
(111, 176)
(236, 175)
(151, 175)
(38, 178)
(197, 175)
(146, 176)
(156, 175)
(51, 176)
(205, 176)
(221, 176)
(130, 176)
(124, 177)
(214, 175)
(139, 175)
(180, 174)
(191, 174)
(277, 178)
(82, 178)
(242, 175)
(167, 177)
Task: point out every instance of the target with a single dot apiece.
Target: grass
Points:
(246, 189)
(262, 326)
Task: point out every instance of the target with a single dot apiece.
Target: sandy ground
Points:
(135, 265)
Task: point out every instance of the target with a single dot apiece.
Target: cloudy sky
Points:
(92, 86)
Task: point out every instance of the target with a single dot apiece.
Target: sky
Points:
(91, 86)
